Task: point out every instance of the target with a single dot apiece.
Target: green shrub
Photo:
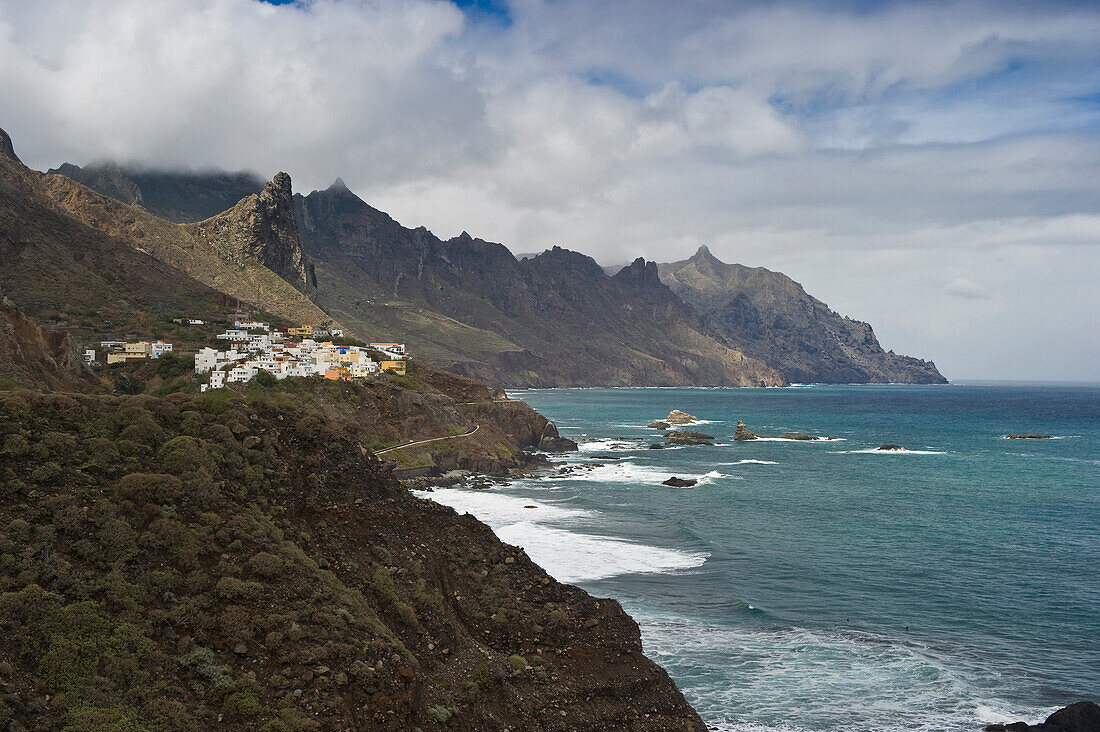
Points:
(184, 454)
(517, 662)
(439, 713)
(242, 705)
(172, 365)
(155, 488)
(265, 379)
(266, 564)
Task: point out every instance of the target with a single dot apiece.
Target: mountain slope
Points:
(228, 562)
(555, 319)
(179, 196)
(250, 252)
(31, 356)
(768, 316)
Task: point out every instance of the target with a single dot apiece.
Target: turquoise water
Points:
(823, 586)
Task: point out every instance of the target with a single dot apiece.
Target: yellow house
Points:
(306, 331)
(396, 367)
(141, 348)
(116, 358)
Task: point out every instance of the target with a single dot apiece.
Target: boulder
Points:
(687, 437)
(891, 448)
(1083, 716)
(678, 417)
(557, 444)
(658, 425)
(679, 482)
(1027, 436)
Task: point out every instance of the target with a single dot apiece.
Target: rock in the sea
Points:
(1080, 717)
(557, 444)
(742, 433)
(797, 436)
(656, 446)
(891, 448)
(679, 482)
(678, 417)
(1027, 436)
(687, 437)
(659, 425)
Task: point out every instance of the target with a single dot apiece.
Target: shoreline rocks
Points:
(1084, 716)
(687, 437)
(557, 444)
(678, 417)
(675, 482)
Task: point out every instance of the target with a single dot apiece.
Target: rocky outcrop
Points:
(658, 425)
(33, 357)
(1027, 436)
(687, 437)
(796, 436)
(891, 448)
(742, 433)
(6, 148)
(678, 417)
(770, 317)
(557, 444)
(675, 482)
(262, 228)
(1083, 716)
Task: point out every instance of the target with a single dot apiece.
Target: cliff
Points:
(770, 317)
(227, 561)
(31, 356)
(555, 319)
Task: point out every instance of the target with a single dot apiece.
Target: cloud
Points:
(964, 288)
(874, 155)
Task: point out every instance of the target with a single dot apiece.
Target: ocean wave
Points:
(731, 676)
(788, 439)
(574, 557)
(498, 509)
(751, 462)
(620, 472)
(607, 444)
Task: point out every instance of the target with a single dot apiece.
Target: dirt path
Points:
(410, 443)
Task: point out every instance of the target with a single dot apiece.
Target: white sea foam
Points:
(788, 439)
(567, 555)
(497, 509)
(730, 673)
(620, 472)
(751, 462)
(612, 445)
(574, 557)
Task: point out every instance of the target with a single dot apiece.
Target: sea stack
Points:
(678, 417)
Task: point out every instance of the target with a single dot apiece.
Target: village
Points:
(253, 347)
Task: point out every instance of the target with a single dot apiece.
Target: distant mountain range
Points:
(117, 246)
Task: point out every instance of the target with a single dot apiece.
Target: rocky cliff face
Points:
(179, 196)
(261, 228)
(203, 561)
(770, 317)
(555, 319)
(6, 148)
(33, 357)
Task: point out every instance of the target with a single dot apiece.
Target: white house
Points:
(89, 355)
(252, 325)
(217, 379)
(241, 374)
(205, 360)
(159, 348)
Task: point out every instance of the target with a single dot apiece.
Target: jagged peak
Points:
(280, 184)
(639, 271)
(338, 185)
(6, 148)
(703, 254)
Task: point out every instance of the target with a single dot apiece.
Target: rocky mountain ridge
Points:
(555, 319)
(769, 316)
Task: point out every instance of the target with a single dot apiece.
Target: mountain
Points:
(179, 196)
(770, 317)
(249, 253)
(554, 319)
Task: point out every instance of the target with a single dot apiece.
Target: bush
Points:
(265, 378)
(517, 662)
(155, 488)
(242, 705)
(184, 454)
(172, 365)
(266, 564)
(439, 713)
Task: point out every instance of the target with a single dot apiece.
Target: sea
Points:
(827, 585)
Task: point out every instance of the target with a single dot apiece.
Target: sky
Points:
(932, 168)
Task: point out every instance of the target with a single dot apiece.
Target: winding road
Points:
(410, 443)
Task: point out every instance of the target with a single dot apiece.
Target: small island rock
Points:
(656, 446)
(797, 436)
(678, 417)
(1027, 436)
(891, 448)
(742, 433)
(687, 437)
(658, 425)
(557, 444)
(679, 482)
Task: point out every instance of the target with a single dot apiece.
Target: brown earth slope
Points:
(768, 316)
(230, 562)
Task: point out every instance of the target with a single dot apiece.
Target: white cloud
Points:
(888, 159)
